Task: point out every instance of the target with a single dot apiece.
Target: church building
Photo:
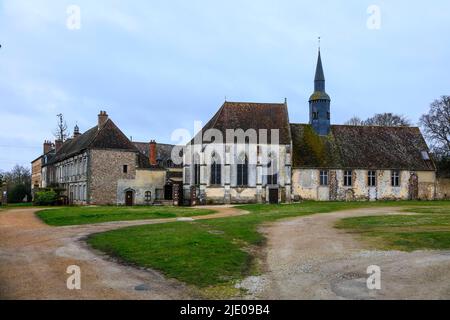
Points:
(313, 161)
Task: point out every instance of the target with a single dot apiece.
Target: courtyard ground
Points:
(34, 258)
(286, 252)
(308, 258)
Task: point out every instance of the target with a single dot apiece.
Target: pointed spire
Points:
(319, 69)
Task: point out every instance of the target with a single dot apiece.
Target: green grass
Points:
(16, 205)
(186, 251)
(67, 216)
(212, 253)
(428, 228)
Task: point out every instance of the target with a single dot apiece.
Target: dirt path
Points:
(34, 258)
(307, 258)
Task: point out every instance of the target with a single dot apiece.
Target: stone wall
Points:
(306, 185)
(36, 169)
(105, 170)
(443, 189)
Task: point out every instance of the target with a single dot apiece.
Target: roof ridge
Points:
(247, 102)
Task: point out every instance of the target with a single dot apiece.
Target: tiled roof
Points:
(245, 116)
(163, 152)
(360, 147)
(108, 137)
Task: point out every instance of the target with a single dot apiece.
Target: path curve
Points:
(34, 258)
(307, 258)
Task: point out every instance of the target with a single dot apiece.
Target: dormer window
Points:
(425, 155)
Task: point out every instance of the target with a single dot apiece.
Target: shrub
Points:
(18, 193)
(45, 198)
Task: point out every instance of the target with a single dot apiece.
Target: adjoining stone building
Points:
(361, 163)
(333, 162)
(103, 167)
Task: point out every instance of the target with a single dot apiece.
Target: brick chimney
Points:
(58, 144)
(47, 146)
(152, 153)
(102, 118)
(76, 132)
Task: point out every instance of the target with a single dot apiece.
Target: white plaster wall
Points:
(146, 180)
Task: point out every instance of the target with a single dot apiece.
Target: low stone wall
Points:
(443, 189)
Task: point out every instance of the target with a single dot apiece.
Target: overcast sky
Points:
(156, 66)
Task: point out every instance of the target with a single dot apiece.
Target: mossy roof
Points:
(360, 147)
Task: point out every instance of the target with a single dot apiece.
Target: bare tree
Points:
(388, 120)
(382, 120)
(18, 175)
(61, 132)
(436, 126)
(355, 121)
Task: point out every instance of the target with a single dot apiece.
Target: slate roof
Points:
(108, 137)
(163, 151)
(246, 115)
(360, 147)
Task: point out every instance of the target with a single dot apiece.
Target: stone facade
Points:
(102, 166)
(256, 190)
(105, 170)
(306, 185)
(443, 189)
(36, 175)
(72, 175)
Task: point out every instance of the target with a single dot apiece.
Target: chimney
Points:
(102, 118)
(76, 132)
(47, 146)
(152, 153)
(58, 144)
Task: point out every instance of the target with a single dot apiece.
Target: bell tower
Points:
(319, 102)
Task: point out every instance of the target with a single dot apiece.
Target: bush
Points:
(45, 198)
(18, 193)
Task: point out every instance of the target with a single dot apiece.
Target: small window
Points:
(348, 178)
(395, 178)
(148, 196)
(323, 178)
(372, 178)
(125, 169)
(315, 115)
(272, 179)
(328, 116)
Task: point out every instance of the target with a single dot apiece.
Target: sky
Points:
(157, 66)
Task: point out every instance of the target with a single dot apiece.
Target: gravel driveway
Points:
(307, 258)
(34, 258)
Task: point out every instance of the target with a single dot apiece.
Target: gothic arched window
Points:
(216, 171)
(242, 171)
(196, 170)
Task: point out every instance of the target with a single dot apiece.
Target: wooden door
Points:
(129, 198)
(273, 196)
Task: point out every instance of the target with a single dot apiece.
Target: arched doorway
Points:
(168, 192)
(129, 198)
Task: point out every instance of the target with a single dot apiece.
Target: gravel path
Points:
(307, 258)
(34, 258)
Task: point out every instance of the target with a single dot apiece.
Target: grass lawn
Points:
(15, 206)
(428, 228)
(211, 254)
(67, 216)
